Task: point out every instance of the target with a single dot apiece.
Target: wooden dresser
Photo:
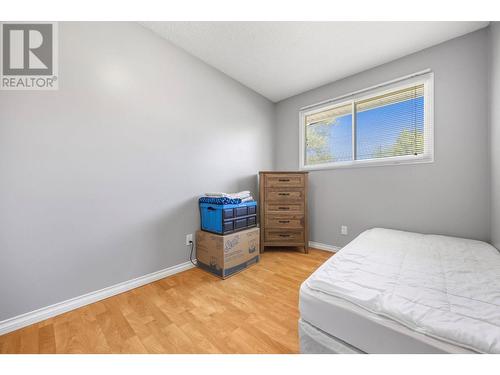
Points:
(283, 209)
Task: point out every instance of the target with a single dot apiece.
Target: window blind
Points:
(329, 115)
(391, 124)
(387, 124)
(329, 135)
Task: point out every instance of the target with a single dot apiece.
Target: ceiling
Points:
(282, 59)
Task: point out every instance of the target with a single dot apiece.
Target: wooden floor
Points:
(255, 311)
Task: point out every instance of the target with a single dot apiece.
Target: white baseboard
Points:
(322, 246)
(43, 313)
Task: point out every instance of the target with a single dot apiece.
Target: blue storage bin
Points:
(228, 218)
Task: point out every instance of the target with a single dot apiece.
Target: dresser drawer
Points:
(285, 221)
(284, 180)
(284, 235)
(283, 206)
(277, 208)
(284, 195)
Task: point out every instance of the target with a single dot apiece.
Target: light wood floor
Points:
(255, 311)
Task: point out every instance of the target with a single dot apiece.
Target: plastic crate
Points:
(228, 218)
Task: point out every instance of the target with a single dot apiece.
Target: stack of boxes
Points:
(228, 241)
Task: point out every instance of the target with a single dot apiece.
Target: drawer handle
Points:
(284, 180)
(283, 193)
(283, 208)
(284, 235)
(283, 221)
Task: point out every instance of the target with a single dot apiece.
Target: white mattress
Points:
(364, 330)
(399, 292)
(314, 341)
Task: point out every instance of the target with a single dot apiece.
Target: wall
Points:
(495, 132)
(449, 196)
(99, 179)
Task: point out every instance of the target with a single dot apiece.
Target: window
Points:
(391, 124)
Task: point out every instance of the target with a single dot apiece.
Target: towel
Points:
(215, 195)
(240, 195)
(219, 200)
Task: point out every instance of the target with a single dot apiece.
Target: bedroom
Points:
(360, 193)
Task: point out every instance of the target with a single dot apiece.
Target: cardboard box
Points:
(226, 255)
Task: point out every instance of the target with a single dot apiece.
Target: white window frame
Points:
(425, 77)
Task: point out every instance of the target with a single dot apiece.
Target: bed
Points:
(391, 291)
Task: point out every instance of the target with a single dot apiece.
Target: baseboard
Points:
(322, 246)
(36, 316)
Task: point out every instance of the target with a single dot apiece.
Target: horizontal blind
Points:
(390, 98)
(329, 135)
(391, 124)
(328, 115)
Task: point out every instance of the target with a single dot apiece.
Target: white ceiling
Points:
(282, 59)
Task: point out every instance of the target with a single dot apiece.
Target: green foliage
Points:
(409, 142)
(318, 150)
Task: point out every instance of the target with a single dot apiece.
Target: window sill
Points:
(369, 163)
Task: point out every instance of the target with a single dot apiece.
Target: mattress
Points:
(399, 292)
(363, 330)
(315, 341)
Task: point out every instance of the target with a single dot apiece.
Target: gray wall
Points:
(99, 179)
(449, 196)
(495, 132)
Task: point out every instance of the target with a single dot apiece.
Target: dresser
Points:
(283, 210)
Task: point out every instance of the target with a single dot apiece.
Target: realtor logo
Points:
(28, 56)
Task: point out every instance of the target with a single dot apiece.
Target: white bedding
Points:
(444, 287)
(364, 330)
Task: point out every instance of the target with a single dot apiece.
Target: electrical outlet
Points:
(189, 239)
(343, 230)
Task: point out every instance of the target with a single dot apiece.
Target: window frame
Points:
(426, 78)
